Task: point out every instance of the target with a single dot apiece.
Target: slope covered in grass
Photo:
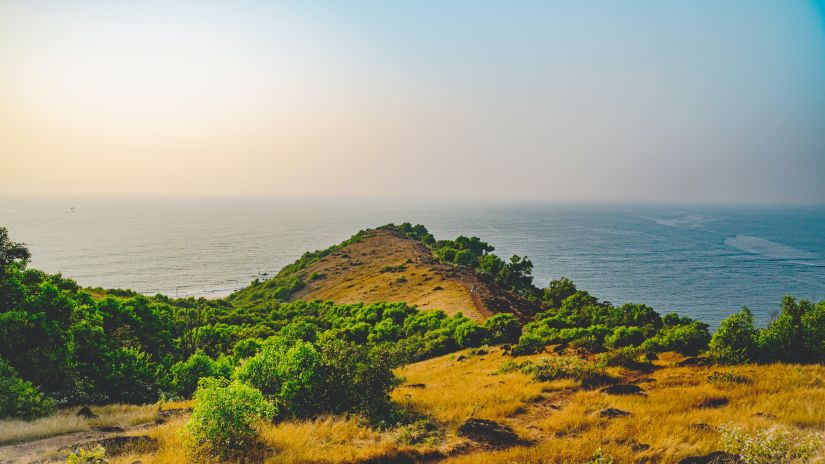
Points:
(385, 265)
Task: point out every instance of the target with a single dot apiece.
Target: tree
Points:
(735, 340)
(225, 419)
(185, 375)
(557, 291)
(503, 328)
(11, 252)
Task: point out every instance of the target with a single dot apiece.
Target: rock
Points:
(623, 389)
(716, 457)
(489, 432)
(713, 403)
(765, 415)
(163, 416)
(646, 380)
(650, 356)
(87, 413)
(128, 444)
(560, 348)
(416, 385)
(120, 445)
(107, 429)
(634, 444)
(613, 413)
(506, 348)
(639, 447)
(692, 361)
(461, 358)
(702, 427)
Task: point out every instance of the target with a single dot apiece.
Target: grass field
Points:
(677, 416)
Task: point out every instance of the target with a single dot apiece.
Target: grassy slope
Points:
(383, 265)
(560, 416)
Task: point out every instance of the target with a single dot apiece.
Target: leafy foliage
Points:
(770, 446)
(19, 398)
(735, 341)
(566, 367)
(225, 417)
(186, 374)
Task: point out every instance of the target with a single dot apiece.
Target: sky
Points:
(626, 101)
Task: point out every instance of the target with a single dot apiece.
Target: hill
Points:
(385, 265)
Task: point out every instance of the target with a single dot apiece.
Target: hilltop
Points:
(385, 265)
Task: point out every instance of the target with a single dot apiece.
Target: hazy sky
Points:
(693, 101)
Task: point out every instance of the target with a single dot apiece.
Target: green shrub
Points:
(225, 419)
(95, 455)
(624, 336)
(735, 340)
(336, 376)
(186, 374)
(629, 356)
(728, 377)
(133, 378)
(688, 338)
(813, 333)
(503, 328)
(470, 334)
(247, 348)
(566, 367)
(529, 343)
(19, 398)
(770, 446)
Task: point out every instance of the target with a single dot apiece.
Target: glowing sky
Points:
(699, 101)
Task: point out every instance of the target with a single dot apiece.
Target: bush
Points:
(95, 455)
(336, 376)
(566, 367)
(289, 375)
(735, 340)
(771, 446)
(624, 336)
(247, 348)
(629, 356)
(225, 418)
(19, 398)
(133, 377)
(503, 328)
(470, 334)
(813, 333)
(688, 339)
(186, 374)
(529, 343)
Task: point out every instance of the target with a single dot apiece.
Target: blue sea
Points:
(705, 262)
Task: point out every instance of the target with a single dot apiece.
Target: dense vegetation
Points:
(514, 275)
(65, 345)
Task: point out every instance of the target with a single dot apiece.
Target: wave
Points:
(773, 250)
(688, 220)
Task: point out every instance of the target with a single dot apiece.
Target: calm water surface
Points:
(700, 261)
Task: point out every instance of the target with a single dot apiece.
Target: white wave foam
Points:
(773, 250)
(689, 220)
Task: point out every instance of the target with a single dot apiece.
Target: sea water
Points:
(704, 262)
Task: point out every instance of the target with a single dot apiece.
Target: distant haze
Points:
(701, 101)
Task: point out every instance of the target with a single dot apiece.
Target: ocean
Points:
(704, 262)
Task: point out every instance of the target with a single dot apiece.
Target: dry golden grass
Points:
(785, 395)
(358, 274)
(66, 421)
(15, 431)
(560, 417)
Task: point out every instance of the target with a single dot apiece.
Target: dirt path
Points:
(552, 403)
(54, 449)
